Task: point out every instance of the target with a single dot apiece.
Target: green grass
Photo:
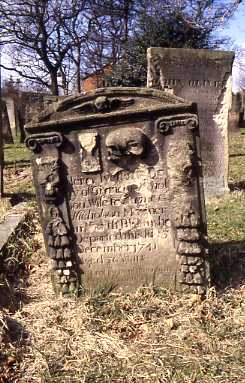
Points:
(18, 185)
(16, 155)
(237, 158)
(225, 215)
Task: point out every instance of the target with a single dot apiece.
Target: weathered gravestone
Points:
(204, 77)
(236, 113)
(6, 128)
(118, 180)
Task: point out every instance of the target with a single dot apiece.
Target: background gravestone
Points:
(201, 76)
(6, 129)
(119, 184)
(236, 113)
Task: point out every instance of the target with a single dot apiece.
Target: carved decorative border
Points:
(57, 233)
(165, 124)
(190, 239)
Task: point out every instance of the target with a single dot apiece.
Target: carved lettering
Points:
(173, 82)
(120, 214)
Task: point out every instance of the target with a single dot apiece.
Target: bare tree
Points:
(110, 22)
(37, 36)
(53, 43)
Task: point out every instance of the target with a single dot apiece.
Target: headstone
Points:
(10, 105)
(236, 113)
(118, 179)
(6, 129)
(201, 76)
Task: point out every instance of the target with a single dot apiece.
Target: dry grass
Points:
(151, 336)
(5, 205)
(148, 336)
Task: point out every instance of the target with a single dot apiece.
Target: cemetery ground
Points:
(149, 336)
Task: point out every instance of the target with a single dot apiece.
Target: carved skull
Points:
(102, 104)
(125, 143)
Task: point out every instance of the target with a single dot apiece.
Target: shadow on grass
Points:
(15, 258)
(13, 337)
(236, 185)
(227, 263)
(17, 163)
(16, 198)
(237, 155)
(13, 296)
(15, 333)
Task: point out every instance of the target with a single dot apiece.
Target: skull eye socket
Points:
(135, 148)
(112, 148)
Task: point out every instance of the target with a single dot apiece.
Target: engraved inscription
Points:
(170, 82)
(118, 218)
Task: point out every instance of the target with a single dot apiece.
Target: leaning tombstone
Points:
(118, 180)
(201, 76)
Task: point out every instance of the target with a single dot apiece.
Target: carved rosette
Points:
(183, 172)
(58, 239)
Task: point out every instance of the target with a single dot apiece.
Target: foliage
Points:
(169, 24)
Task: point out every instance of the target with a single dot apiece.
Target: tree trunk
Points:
(1, 147)
(1, 137)
(64, 83)
(54, 83)
(78, 64)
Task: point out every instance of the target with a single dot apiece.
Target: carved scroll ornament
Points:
(166, 124)
(34, 142)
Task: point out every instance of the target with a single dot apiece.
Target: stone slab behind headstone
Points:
(118, 178)
(204, 77)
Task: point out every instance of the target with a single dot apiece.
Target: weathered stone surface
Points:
(13, 219)
(204, 77)
(119, 184)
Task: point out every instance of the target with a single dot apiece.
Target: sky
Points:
(236, 27)
(236, 31)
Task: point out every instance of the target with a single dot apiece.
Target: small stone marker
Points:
(204, 77)
(119, 184)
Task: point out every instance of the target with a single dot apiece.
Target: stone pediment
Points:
(105, 102)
